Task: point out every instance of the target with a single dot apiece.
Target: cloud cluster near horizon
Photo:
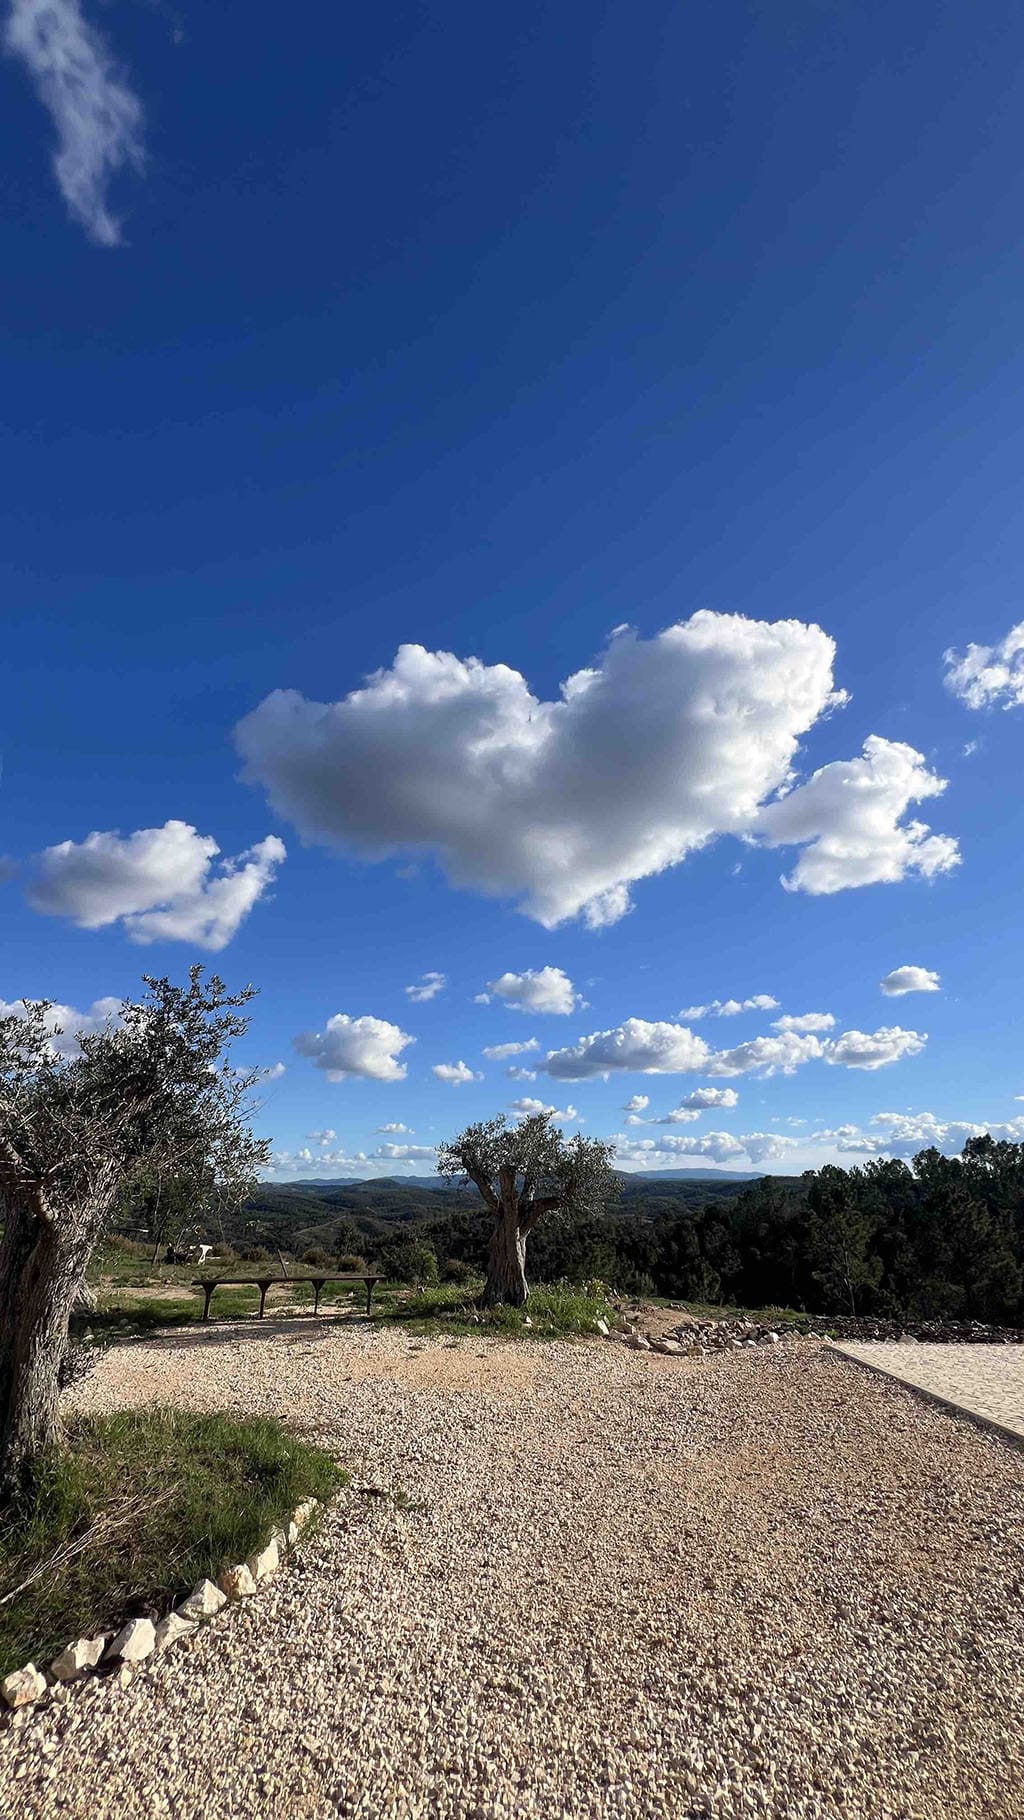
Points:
(563, 806)
(98, 119)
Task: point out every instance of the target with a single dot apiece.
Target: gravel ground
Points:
(986, 1380)
(625, 1585)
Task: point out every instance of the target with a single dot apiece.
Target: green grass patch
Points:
(133, 1510)
(554, 1311)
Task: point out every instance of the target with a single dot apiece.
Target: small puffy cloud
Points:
(396, 1129)
(909, 979)
(766, 1055)
(547, 989)
(635, 1047)
(807, 1022)
(274, 1072)
(481, 998)
(352, 1048)
(426, 988)
(98, 119)
(680, 1115)
(160, 884)
(703, 1098)
(408, 1153)
(730, 1007)
(322, 1137)
(638, 1102)
(849, 817)
(515, 1073)
(500, 1052)
(455, 1073)
(855, 1049)
(529, 1108)
(65, 1024)
(989, 676)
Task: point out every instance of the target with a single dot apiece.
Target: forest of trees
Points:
(939, 1238)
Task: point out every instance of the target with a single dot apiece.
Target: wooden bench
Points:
(209, 1284)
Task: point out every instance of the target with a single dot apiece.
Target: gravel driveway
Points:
(759, 1584)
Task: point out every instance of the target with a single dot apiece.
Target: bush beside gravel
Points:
(135, 1509)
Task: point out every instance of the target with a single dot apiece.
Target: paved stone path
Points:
(986, 1381)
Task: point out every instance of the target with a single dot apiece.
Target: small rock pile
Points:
(140, 1638)
(693, 1337)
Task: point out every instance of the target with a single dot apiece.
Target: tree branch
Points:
(547, 1204)
(17, 1181)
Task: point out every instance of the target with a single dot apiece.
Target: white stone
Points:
(237, 1582)
(293, 1533)
(134, 1643)
(279, 1536)
(302, 1513)
(173, 1629)
(601, 1327)
(24, 1686)
(78, 1658)
(204, 1601)
(773, 1339)
(669, 1346)
(264, 1565)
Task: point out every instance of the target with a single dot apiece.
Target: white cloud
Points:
(66, 1024)
(500, 1052)
(428, 987)
(349, 1048)
(408, 1153)
(546, 989)
(767, 1055)
(514, 1073)
(989, 676)
(909, 979)
(854, 1049)
(850, 815)
(546, 802)
(455, 1073)
(159, 883)
(274, 1072)
(322, 1137)
(730, 1007)
(702, 1098)
(98, 119)
(396, 1129)
(527, 1109)
(635, 1047)
(904, 1134)
(638, 1103)
(680, 1115)
(717, 1147)
(808, 1022)
(638, 1047)
(481, 998)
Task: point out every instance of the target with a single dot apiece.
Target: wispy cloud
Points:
(98, 119)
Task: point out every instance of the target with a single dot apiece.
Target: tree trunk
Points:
(506, 1264)
(41, 1266)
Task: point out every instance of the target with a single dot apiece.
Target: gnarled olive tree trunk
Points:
(506, 1284)
(42, 1263)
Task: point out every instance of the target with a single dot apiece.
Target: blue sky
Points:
(494, 337)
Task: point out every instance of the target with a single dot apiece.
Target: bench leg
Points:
(316, 1297)
(263, 1297)
(369, 1296)
(207, 1293)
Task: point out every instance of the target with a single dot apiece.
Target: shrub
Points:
(349, 1261)
(456, 1270)
(254, 1254)
(317, 1256)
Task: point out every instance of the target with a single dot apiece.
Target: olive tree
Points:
(153, 1091)
(523, 1172)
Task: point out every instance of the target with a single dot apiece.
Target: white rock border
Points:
(140, 1639)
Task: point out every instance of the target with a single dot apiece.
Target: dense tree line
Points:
(941, 1238)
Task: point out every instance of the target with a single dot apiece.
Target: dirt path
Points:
(761, 1584)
